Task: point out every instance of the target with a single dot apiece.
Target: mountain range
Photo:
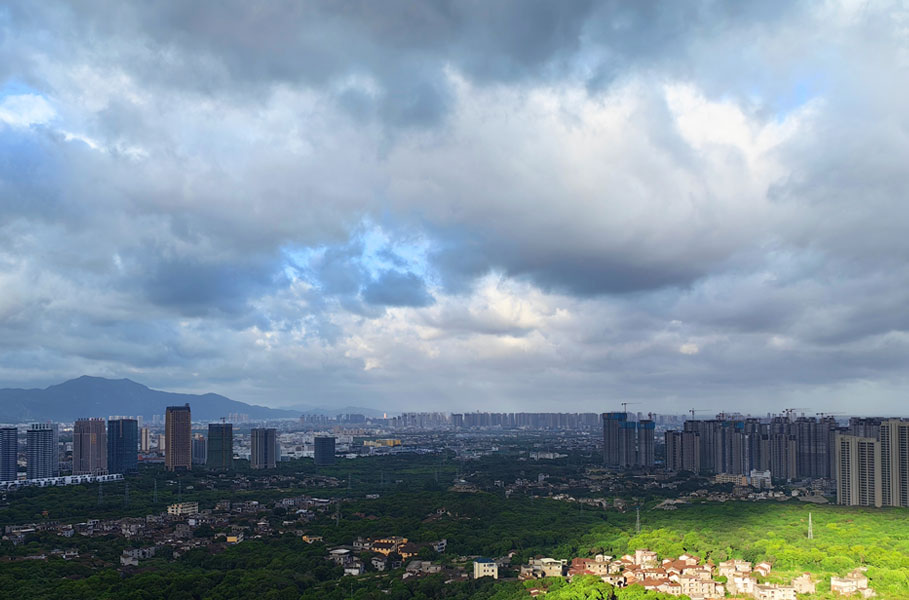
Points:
(99, 397)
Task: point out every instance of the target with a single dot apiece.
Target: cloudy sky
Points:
(460, 205)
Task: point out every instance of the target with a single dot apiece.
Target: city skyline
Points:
(427, 205)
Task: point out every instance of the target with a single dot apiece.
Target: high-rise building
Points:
(813, 446)
(220, 446)
(89, 447)
(122, 446)
(262, 448)
(782, 455)
(683, 451)
(41, 455)
(145, 440)
(894, 438)
(646, 430)
(9, 453)
(628, 438)
(707, 434)
(858, 471)
(177, 432)
(324, 450)
(200, 449)
(612, 423)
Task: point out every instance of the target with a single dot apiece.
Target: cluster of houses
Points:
(684, 575)
(388, 553)
(176, 526)
(854, 583)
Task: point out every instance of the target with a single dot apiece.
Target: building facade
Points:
(200, 449)
(122, 446)
(324, 450)
(262, 448)
(9, 453)
(220, 446)
(683, 451)
(177, 434)
(894, 440)
(145, 440)
(858, 471)
(41, 452)
(89, 447)
(612, 423)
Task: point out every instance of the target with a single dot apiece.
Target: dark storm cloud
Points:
(394, 288)
(195, 288)
(245, 47)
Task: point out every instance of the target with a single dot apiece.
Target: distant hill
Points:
(99, 397)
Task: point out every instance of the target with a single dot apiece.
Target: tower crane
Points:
(625, 406)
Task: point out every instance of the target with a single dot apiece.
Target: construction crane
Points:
(625, 406)
(695, 410)
(791, 411)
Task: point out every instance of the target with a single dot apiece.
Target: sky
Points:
(472, 205)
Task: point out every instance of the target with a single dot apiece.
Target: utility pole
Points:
(810, 528)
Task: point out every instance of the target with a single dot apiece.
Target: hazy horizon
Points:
(441, 206)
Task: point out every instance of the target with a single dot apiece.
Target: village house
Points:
(645, 558)
(538, 568)
(854, 582)
(598, 565)
(354, 567)
(423, 567)
(774, 592)
(804, 584)
(485, 567)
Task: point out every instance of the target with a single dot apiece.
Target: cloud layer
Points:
(534, 206)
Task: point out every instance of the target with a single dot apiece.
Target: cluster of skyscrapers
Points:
(868, 460)
(182, 450)
(539, 421)
(627, 443)
(99, 447)
(790, 449)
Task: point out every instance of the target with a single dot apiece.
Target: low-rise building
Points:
(423, 566)
(645, 558)
(183, 508)
(804, 584)
(696, 586)
(774, 592)
(485, 567)
(538, 568)
(854, 582)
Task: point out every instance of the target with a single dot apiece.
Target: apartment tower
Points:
(9, 453)
(177, 438)
(220, 446)
(262, 448)
(122, 445)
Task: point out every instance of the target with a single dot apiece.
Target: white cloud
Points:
(25, 110)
